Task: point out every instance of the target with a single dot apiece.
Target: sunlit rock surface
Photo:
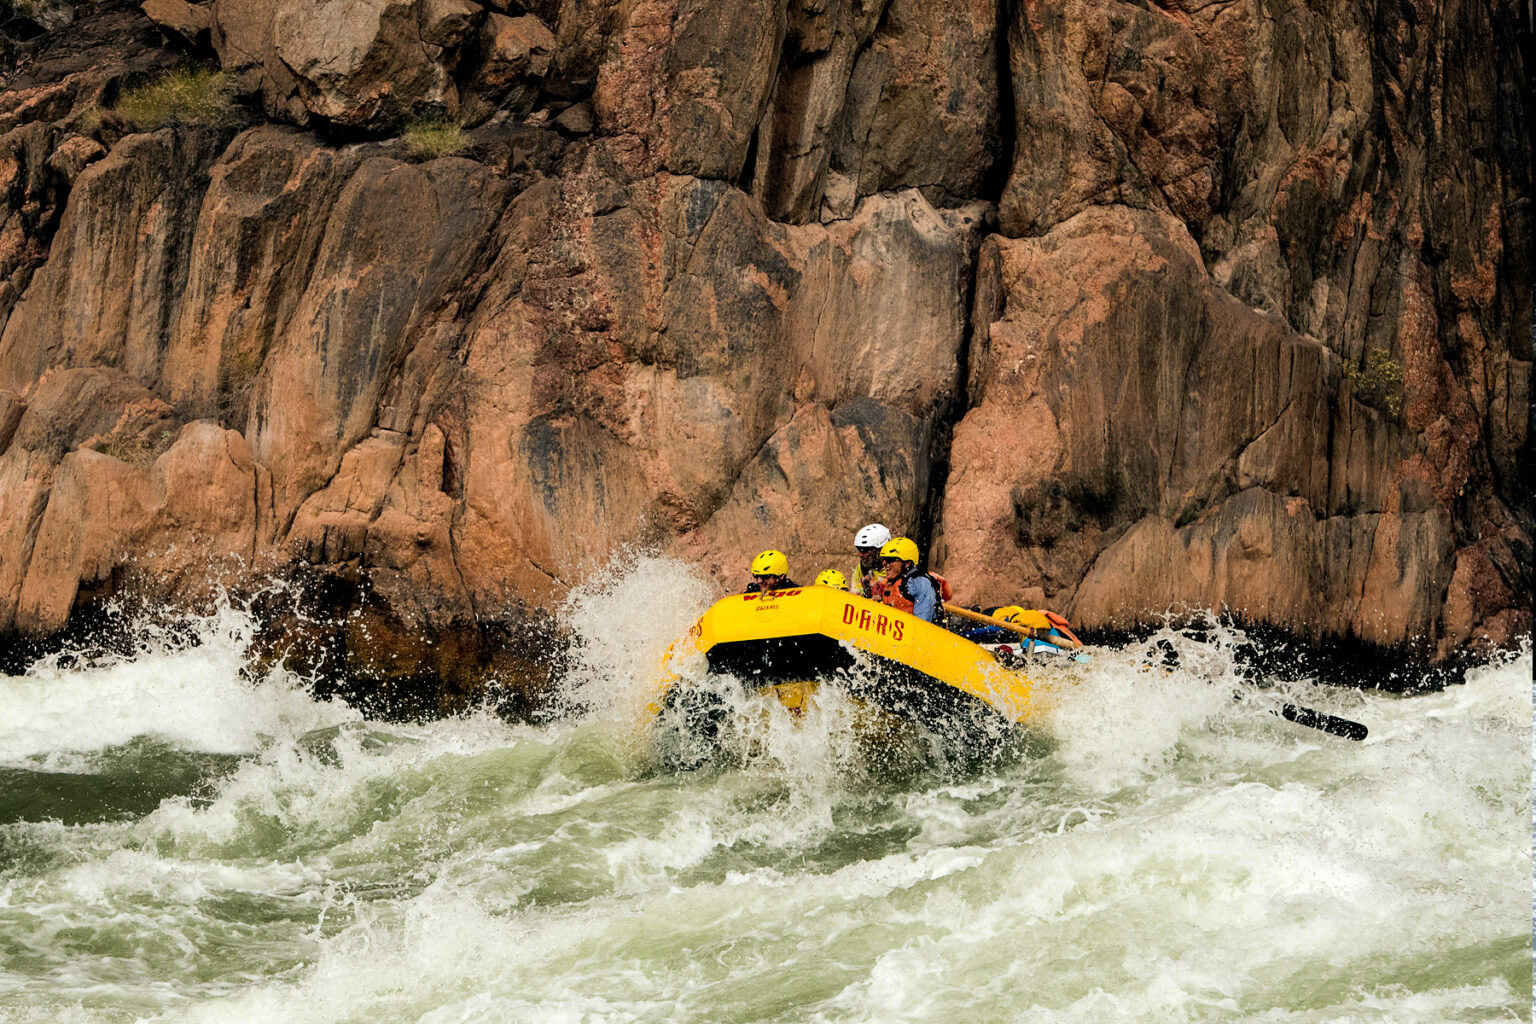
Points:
(1118, 308)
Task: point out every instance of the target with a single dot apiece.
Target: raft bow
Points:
(782, 641)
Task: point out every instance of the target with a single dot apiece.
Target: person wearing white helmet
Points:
(867, 575)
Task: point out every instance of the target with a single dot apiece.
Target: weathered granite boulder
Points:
(510, 63)
(258, 231)
(879, 96)
(367, 65)
(396, 245)
(682, 86)
(51, 125)
(644, 383)
(191, 22)
(1120, 103)
(1112, 462)
(118, 263)
(924, 109)
(60, 414)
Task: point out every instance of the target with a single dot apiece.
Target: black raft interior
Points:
(883, 682)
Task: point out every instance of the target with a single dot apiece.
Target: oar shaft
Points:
(1311, 718)
(1331, 724)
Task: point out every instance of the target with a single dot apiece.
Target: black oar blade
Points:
(1313, 719)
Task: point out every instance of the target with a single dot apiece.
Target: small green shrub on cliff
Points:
(1379, 382)
(435, 137)
(1190, 512)
(188, 96)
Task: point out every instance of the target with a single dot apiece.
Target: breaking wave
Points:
(186, 834)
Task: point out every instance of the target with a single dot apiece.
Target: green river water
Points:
(183, 838)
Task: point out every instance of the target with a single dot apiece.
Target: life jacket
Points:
(1059, 625)
(899, 597)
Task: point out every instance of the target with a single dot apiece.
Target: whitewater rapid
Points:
(186, 835)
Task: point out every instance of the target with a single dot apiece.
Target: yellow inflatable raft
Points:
(787, 641)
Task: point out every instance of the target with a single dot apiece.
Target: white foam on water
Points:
(177, 880)
(1188, 895)
(1175, 855)
(300, 798)
(190, 691)
(1206, 892)
(1121, 721)
(622, 621)
(438, 958)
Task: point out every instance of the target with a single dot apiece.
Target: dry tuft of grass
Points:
(1379, 382)
(89, 122)
(140, 449)
(187, 96)
(435, 137)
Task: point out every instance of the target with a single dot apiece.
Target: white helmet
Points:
(872, 536)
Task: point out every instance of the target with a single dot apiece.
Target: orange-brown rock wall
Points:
(1122, 307)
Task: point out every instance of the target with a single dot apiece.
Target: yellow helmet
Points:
(903, 548)
(770, 563)
(1008, 613)
(833, 578)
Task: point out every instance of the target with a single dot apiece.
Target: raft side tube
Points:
(799, 633)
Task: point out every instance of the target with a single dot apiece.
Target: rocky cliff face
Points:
(1123, 306)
